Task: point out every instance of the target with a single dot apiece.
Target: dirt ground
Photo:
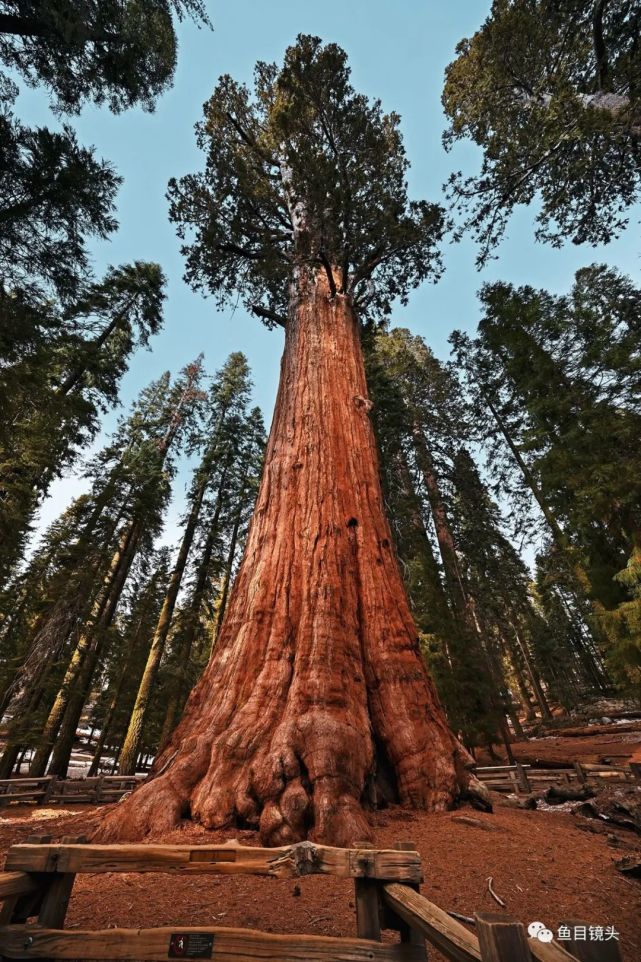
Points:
(544, 866)
(617, 743)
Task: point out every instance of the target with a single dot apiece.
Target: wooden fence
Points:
(39, 877)
(518, 779)
(50, 789)
(525, 779)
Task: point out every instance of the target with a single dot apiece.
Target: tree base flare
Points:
(316, 704)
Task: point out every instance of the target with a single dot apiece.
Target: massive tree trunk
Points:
(316, 685)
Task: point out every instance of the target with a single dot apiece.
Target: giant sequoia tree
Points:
(316, 687)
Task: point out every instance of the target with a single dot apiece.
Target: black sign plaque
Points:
(190, 945)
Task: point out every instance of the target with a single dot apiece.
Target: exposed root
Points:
(153, 809)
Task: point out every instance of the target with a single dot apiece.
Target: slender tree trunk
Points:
(558, 534)
(107, 724)
(444, 536)
(537, 688)
(178, 682)
(229, 565)
(56, 715)
(133, 738)
(81, 689)
(317, 681)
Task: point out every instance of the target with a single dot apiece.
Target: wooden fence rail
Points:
(39, 876)
(518, 779)
(50, 789)
(523, 779)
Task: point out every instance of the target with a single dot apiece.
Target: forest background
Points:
(397, 52)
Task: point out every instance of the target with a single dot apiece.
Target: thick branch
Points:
(22, 26)
(330, 275)
(250, 141)
(600, 50)
(31, 27)
(240, 251)
(268, 315)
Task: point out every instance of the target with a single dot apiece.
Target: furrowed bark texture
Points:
(316, 685)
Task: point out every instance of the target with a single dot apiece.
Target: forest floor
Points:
(613, 744)
(546, 866)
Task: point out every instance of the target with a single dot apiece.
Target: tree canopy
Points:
(54, 196)
(108, 51)
(302, 172)
(551, 93)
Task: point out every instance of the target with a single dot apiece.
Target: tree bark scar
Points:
(316, 669)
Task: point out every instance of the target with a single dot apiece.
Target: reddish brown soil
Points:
(544, 866)
(611, 742)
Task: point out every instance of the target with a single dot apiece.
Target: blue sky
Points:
(398, 52)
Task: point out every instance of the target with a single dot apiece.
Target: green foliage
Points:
(54, 195)
(66, 372)
(551, 93)
(118, 52)
(563, 375)
(563, 639)
(302, 173)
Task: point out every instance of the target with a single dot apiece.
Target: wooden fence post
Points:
(580, 773)
(18, 908)
(49, 789)
(366, 897)
(98, 789)
(408, 933)
(524, 782)
(586, 949)
(58, 892)
(501, 939)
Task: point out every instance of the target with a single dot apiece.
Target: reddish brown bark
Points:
(316, 686)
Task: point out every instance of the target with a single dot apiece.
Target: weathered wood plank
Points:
(25, 780)
(12, 796)
(447, 935)
(549, 952)
(367, 899)
(497, 768)
(292, 861)
(229, 945)
(501, 939)
(57, 893)
(450, 937)
(16, 883)
(588, 950)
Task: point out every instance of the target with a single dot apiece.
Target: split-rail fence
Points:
(38, 879)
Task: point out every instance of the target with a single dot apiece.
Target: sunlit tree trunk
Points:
(316, 684)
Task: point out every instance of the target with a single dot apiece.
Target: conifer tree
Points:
(118, 519)
(123, 666)
(142, 521)
(226, 514)
(316, 681)
(227, 399)
(54, 394)
(560, 378)
(551, 92)
(55, 196)
(120, 53)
